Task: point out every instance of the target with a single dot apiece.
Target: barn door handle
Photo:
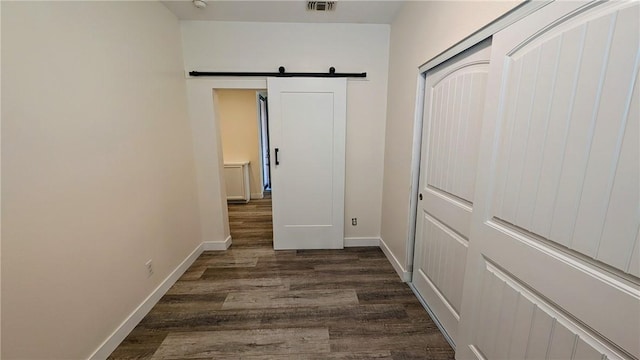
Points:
(277, 160)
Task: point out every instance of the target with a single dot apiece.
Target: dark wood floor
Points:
(252, 302)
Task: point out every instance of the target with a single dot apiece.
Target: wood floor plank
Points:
(332, 316)
(338, 330)
(364, 355)
(141, 344)
(234, 252)
(431, 353)
(199, 320)
(190, 302)
(330, 282)
(328, 259)
(226, 285)
(351, 300)
(258, 271)
(288, 299)
(193, 273)
(213, 344)
(390, 295)
(415, 342)
(235, 262)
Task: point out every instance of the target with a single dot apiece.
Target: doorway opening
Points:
(242, 120)
(307, 120)
(243, 124)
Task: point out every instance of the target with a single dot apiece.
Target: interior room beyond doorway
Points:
(242, 121)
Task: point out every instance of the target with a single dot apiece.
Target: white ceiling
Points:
(359, 11)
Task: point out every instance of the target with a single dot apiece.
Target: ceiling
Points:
(358, 11)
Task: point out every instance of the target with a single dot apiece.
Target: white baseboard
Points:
(361, 241)
(107, 347)
(257, 195)
(217, 245)
(404, 274)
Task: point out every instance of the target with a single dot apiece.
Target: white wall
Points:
(420, 31)
(207, 149)
(97, 166)
(237, 46)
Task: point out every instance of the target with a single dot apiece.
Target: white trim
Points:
(217, 245)
(237, 163)
(112, 342)
(257, 83)
(477, 37)
(361, 241)
(416, 160)
(260, 147)
(404, 274)
(257, 195)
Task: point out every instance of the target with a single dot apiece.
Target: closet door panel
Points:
(565, 123)
(454, 102)
(557, 202)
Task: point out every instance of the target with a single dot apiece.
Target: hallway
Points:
(250, 224)
(252, 302)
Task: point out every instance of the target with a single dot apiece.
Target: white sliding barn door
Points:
(307, 144)
(553, 269)
(454, 101)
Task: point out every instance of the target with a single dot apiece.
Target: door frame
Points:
(260, 194)
(263, 132)
(207, 149)
(475, 38)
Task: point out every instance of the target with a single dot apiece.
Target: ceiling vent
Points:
(321, 5)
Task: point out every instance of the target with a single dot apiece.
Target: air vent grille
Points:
(321, 5)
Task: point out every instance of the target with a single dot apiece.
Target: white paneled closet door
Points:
(552, 270)
(454, 102)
